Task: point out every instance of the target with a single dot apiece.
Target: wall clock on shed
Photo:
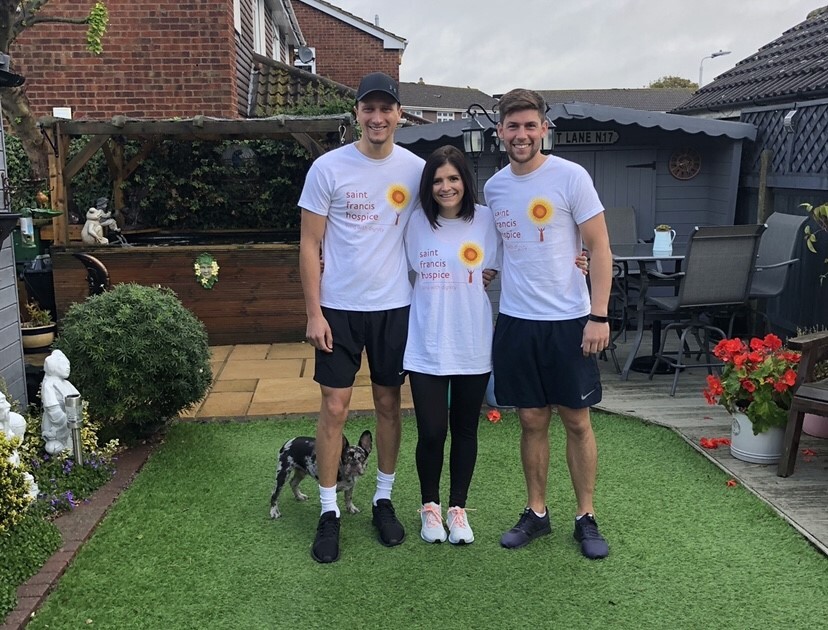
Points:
(685, 164)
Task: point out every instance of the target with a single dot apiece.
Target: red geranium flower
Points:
(493, 415)
(756, 380)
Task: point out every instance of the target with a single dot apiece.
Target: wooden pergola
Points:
(312, 132)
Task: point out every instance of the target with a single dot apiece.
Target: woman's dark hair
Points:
(447, 154)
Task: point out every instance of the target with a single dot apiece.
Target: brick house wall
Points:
(161, 59)
(344, 53)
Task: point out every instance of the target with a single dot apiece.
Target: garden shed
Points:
(672, 169)
(257, 297)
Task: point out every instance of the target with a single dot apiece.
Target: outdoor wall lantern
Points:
(473, 136)
(789, 122)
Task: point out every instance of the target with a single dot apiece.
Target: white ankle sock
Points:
(385, 483)
(327, 496)
(541, 515)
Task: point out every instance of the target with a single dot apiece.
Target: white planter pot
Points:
(765, 448)
(816, 426)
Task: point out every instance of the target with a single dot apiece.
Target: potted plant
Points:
(38, 330)
(663, 238)
(755, 388)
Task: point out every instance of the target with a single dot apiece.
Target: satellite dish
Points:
(305, 54)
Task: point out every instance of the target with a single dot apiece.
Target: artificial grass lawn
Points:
(190, 545)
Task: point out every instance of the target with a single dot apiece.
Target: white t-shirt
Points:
(450, 323)
(537, 216)
(367, 203)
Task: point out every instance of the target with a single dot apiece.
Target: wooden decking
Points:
(801, 499)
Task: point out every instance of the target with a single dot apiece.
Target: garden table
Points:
(642, 254)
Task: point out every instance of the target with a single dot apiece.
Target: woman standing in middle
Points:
(449, 241)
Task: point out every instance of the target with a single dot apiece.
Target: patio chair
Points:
(718, 271)
(773, 263)
(621, 225)
(809, 396)
(622, 228)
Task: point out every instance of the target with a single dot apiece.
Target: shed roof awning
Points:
(601, 113)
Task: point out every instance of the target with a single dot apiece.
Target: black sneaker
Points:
(391, 532)
(529, 527)
(593, 545)
(326, 544)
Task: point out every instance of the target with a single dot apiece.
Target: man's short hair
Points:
(519, 100)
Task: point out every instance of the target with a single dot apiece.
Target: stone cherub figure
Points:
(13, 425)
(53, 393)
(97, 218)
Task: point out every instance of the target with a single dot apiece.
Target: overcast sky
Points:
(561, 44)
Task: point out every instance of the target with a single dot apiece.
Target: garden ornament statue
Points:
(93, 232)
(97, 218)
(53, 393)
(13, 425)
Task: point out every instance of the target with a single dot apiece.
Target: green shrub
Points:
(138, 356)
(24, 549)
(14, 498)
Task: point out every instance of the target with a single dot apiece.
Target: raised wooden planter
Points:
(257, 299)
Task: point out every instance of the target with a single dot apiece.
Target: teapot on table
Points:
(663, 241)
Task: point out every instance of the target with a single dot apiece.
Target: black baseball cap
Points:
(378, 82)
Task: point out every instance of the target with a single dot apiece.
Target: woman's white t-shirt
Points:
(450, 323)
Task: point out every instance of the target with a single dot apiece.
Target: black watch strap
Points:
(598, 318)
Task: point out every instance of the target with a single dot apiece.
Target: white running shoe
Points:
(459, 531)
(432, 530)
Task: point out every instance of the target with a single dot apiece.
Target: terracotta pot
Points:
(765, 448)
(38, 337)
(816, 426)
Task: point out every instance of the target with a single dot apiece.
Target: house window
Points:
(416, 112)
(277, 42)
(464, 115)
(237, 15)
(259, 26)
(445, 116)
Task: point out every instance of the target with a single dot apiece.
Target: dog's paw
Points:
(352, 509)
(274, 512)
(300, 496)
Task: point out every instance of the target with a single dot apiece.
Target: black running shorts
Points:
(382, 334)
(540, 363)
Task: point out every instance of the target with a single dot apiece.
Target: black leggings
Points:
(430, 394)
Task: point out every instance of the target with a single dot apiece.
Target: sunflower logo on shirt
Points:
(540, 213)
(398, 196)
(471, 255)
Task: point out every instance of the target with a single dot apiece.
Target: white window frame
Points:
(237, 15)
(259, 31)
(416, 112)
(445, 116)
(277, 39)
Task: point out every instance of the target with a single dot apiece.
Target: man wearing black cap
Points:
(355, 205)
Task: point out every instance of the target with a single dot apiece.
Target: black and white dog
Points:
(299, 455)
